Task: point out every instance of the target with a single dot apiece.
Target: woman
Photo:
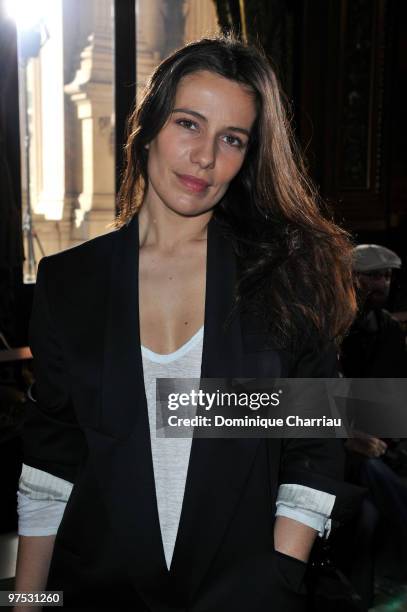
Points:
(221, 266)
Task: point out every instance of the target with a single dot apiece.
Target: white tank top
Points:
(170, 455)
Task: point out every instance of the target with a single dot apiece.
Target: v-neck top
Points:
(170, 455)
(180, 352)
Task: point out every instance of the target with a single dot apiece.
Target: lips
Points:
(192, 183)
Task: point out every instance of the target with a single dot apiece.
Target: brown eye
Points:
(188, 124)
(234, 141)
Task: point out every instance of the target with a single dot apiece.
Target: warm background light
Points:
(28, 13)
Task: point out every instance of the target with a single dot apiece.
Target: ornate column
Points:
(150, 15)
(163, 25)
(92, 93)
(51, 218)
(200, 19)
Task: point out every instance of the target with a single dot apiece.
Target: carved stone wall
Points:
(346, 81)
(91, 91)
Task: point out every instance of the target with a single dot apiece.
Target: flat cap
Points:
(368, 257)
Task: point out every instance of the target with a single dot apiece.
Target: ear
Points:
(147, 146)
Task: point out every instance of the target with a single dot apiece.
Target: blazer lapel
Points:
(217, 468)
(120, 448)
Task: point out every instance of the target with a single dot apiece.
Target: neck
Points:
(166, 230)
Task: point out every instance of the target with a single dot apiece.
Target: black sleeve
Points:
(52, 439)
(319, 463)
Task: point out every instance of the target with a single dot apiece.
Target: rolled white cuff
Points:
(300, 496)
(306, 505)
(41, 501)
(41, 485)
(37, 517)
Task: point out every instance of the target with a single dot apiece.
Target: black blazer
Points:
(90, 426)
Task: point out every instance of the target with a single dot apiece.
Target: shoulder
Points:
(387, 320)
(85, 255)
(315, 355)
(79, 274)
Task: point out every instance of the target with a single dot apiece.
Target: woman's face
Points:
(202, 146)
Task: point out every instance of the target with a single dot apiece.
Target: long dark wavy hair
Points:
(294, 261)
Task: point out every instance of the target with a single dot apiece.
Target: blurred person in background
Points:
(375, 345)
(375, 348)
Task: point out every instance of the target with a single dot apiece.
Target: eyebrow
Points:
(199, 116)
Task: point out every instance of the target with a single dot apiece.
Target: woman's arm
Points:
(33, 561)
(312, 472)
(293, 538)
(52, 440)
(42, 499)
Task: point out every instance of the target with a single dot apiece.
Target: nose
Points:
(383, 283)
(382, 279)
(204, 152)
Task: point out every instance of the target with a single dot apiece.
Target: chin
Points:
(377, 302)
(191, 210)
